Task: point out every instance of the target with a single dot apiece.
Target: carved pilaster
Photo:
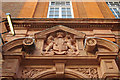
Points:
(10, 67)
(109, 68)
(60, 68)
(79, 43)
(40, 43)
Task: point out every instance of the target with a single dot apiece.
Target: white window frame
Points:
(60, 7)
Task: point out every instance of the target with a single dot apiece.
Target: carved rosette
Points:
(90, 72)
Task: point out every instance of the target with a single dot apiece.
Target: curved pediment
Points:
(13, 44)
(43, 33)
(101, 44)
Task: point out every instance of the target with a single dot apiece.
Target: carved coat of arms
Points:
(61, 44)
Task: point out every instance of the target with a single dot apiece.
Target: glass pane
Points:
(56, 13)
(56, 16)
(50, 16)
(51, 9)
(51, 12)
(110, 2)
(114, 13)
(69, 16)
(111, 10)
(63, 13)
(52, 3)
(116, 2)
(118, 13)
(63, 9)
(67, 3)
(57, 3)
(62, 3)
(63, 16)
(69, 13)
(115, 9)
(68, 9)
(56, 9)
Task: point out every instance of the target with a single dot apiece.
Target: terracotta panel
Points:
(92, 10)
(28, 10)
(105, 10)
(41, 10)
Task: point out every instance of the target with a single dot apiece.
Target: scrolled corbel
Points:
(28, 45)
(90, 45)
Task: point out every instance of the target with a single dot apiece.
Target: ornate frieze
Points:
(30, 72)
(91, 72)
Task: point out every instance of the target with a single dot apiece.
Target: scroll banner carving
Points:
(60, 43)
(90, 72)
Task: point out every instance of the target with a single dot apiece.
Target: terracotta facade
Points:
(76, 48)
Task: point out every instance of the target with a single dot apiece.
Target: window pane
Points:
(50, 16)
(115, 9)
(56, 9)
(51, 9)
(69, 13)
(114, 13)
(56, 16)
(69, 16)
(51, 12)
(52, 3)
(62, 3)
(63, 16)
(63, 13)
(118, 13)
(67, 3)
(57, 3)
(68, 9)
(110, 2)
(63, 9)
(56, 13)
